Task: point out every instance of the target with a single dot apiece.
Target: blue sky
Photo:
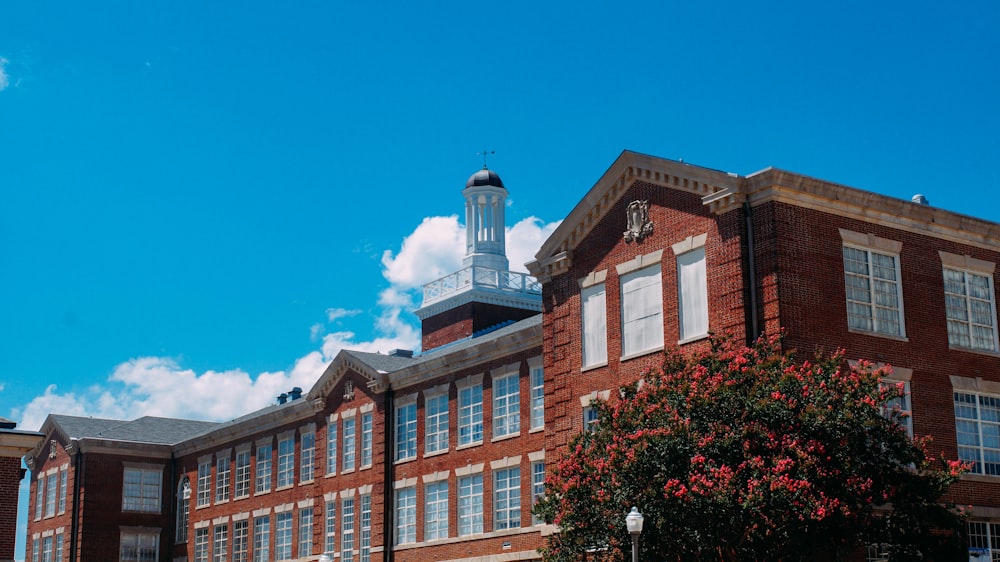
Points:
(199, 197)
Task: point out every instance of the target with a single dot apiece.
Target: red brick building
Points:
(14, 444)
(659, 254)
(438, 455)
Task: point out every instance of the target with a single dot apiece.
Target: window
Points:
(204, 483)
(470, 414)
(594, 320)
(50, 494)
(62, 490)
(347, 530)
(222, 474)
(874, 293)
(330, 542)
(589, 418)
(692, 294)
(406, 431)
(436, 424)
(366, 439)
(307, 456)
(877, 553)
(537, 397)
(507, 498)
(183, 506)
(537, 487)
(47, 548)
(349, 439)
(240, 540)
(331, 449)
(263, 484)
(984, 540)
(506, 405)
(286, 462)
(220, 543)
(470, 504)
(283, 536)
(977, 425)
(406, 515)
(305, 532)
(200, 545)
(897, 408)
(59, 546)
(436, 510)
(366, 527)
(971, 312)
(39, 496)
(261, 538)
(143, 547)
(642, 311)
(142, 490)
(242, 486)
(34, 548)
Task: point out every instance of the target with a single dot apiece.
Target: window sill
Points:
(304, 482)
(536, 429)
(405, 460)
(985, 352)
(330, 475)
(878, 335)
(347, 471)
(262, 492)
(691, 339)
(220, 502)
(435, 453)
(365, 467)
(285, 487)
(970, 477)
(641, 353)
(592, 367)
(505, 437)
(243, 497)
(469, 445)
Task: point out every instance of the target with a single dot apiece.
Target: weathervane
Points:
(484, 153)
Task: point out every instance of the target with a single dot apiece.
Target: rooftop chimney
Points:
(295, 393)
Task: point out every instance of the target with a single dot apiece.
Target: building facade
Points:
(440, 455)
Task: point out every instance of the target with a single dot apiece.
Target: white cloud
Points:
(160, 386)
(4, 78)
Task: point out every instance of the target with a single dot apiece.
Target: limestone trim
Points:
(243, 516)
(220, 520)
(505, 462)
(471, 380)
(587, 399)
(406, 400)
(404, 483)
(536, 456)
(202, 524)
(976, 384)
(284, 507)
(690, 243)
(869, 240)
(349, 413)
(262, 512)
(330, 496)
(640, 262)
(966, 262)
(366, 489)
(434, 477)
(265, 441)
(305, 503)
(437, 390)
(367, 407)
(593, 278)
(470, 469)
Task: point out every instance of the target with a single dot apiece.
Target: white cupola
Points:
(485, 201)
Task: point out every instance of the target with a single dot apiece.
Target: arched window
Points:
(183, 505)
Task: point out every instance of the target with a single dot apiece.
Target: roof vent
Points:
(401, 353)
(282, 398)
(919, 199)
(295, 393)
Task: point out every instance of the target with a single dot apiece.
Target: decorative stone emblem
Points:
(639, 225)
(349, 390)
(52, 449)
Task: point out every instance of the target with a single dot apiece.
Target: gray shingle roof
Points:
(147, 429)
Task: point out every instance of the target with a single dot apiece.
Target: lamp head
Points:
(633, 521)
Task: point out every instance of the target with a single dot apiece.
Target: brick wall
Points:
(10, 481)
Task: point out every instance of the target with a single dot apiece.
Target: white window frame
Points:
(470, 411)
(861, 287)
(692, 288)
(331, 445)
(349, 456)
(507, 498)
(134, 539)
(63, 475)
(204, 490)
(436, 407)
(640, 282)
(899, 403)
(220, 543)
(51, 494)
(307, 453)
(241, 540)
(330, 526)
(970, 310)
(150, 489)
(406, 429)
(347, 529)
(507, 404)
(201, 545)
(286, 461)
(594, 320)
(367, 436)
(470, 504)
(183, 507)
(436, 510)
(223, 474)
(305, 532)
(261, 538)
(970, 429)
(241, 484)
(982, 535)
(264, 458)
(406, 515)
(47, 547)
(537, 485)
(283, 535)
(366, 528)
(536, 383)
(39, 496)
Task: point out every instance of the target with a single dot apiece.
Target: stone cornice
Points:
(488, 350)
(290, 414)
(335, 371)
(488, 296)
(811, 193)
(17, 443)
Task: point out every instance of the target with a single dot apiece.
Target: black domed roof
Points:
(484, 177)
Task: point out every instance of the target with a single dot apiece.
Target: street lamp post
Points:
(633, 522)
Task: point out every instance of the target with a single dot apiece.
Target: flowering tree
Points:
(741, 453)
